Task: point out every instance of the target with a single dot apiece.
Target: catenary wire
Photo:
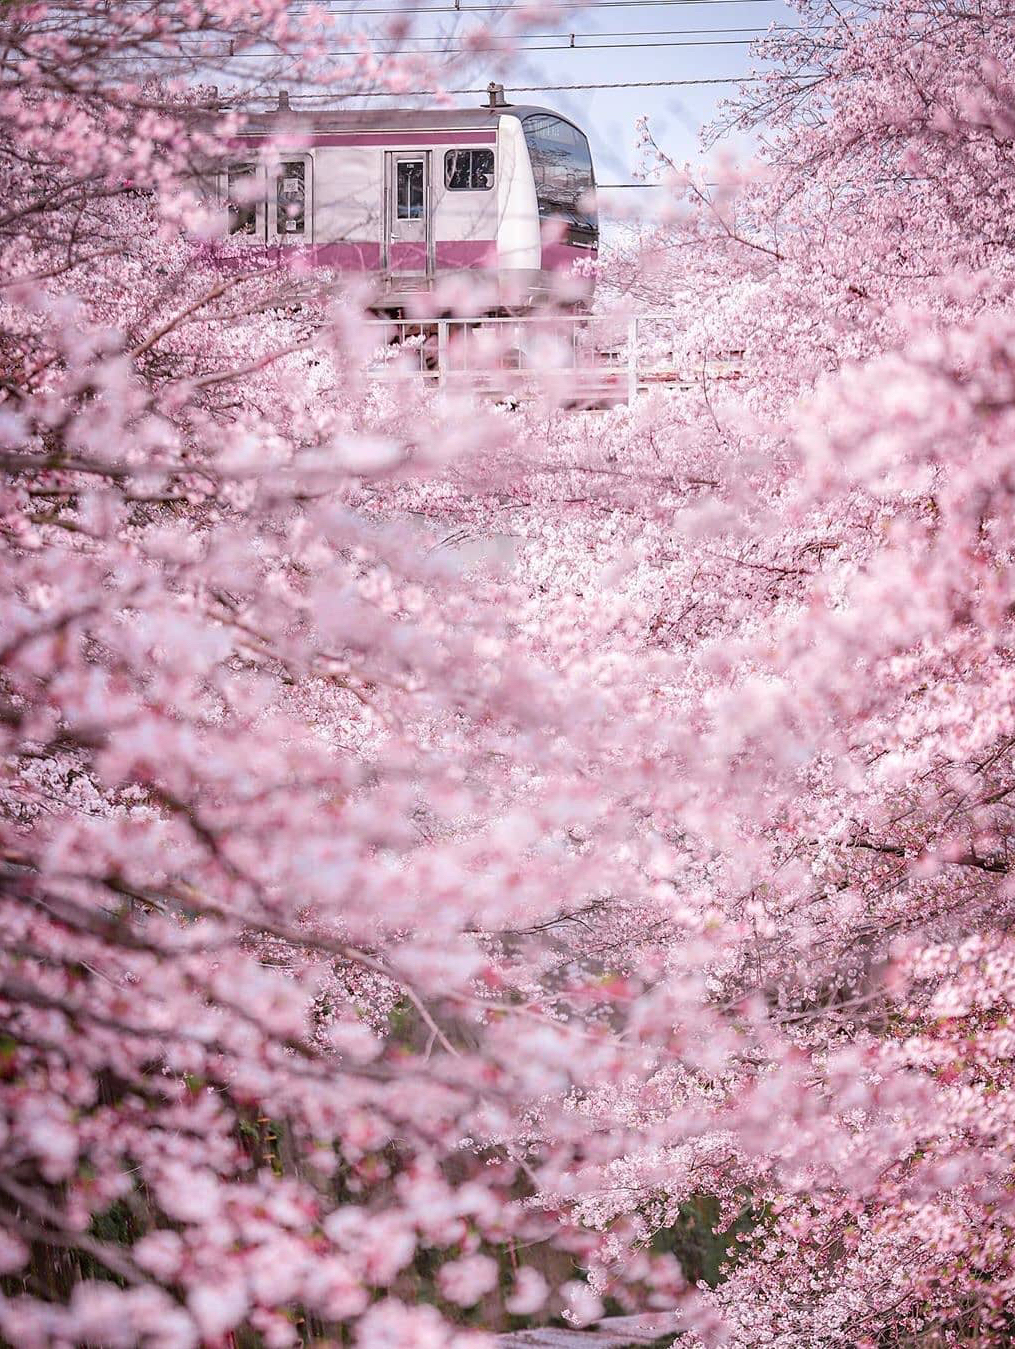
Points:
(465, 51)
(561, 4)
(551, 88)
(626, 32)
(703, 37)
(597, 41)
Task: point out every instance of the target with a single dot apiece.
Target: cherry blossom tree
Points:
(452, 856)
(842, 598)
(256, 815)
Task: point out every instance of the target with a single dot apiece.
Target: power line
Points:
(598, 41)
(514, 40)
(549, 88)
(626, 84)
(559, 4)
(513, 45)
(632, 32)
(463, 51)
(561, 47)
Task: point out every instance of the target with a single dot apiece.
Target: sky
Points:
(615, 41)
(636, 43)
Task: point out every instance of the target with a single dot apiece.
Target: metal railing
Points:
(591, 360)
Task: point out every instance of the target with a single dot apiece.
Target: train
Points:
(404, 200)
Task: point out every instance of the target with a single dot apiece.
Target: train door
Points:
(408, 214)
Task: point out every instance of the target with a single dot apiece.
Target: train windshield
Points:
(562, 166)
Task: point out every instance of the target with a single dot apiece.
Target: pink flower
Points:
(529, 1293)
(218, 1307)
(464, 1281)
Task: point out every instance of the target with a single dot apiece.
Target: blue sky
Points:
(634, 41)
(608, 115)
(677, 115)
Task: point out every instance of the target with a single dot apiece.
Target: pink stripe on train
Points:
(466, 253)
(558, 256)
(365, 255)
(293, 141)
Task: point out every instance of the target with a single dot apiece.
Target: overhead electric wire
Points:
(559, 4)
(587, 42)
(700, 37)
(557, 47)
(641, 32)
(547, 88)
(348, 53)
(514, 39)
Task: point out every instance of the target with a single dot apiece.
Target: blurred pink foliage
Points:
(370, 906)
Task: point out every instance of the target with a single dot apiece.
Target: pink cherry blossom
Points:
(465, 1281)
(469, 864)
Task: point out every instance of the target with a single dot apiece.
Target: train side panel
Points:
(465, 217)
(349, 187)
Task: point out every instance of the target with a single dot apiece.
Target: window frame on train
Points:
(451, 168)
(242, 213)
(414, 198)
(553, 202)
(255, 216)
(296, 222)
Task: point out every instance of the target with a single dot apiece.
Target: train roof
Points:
(401, 119)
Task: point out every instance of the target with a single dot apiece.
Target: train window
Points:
(291, 198)
(241, 188)
(468, 170)
(409, 190)
(562, 166)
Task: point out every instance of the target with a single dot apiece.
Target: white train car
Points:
(502, 193)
